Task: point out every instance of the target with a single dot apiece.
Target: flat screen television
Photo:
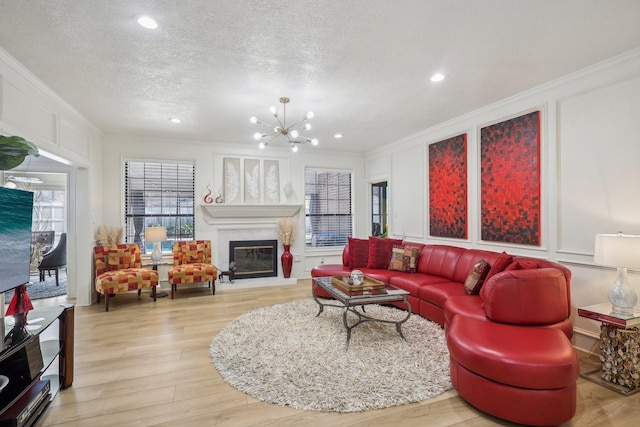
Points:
(16, 210)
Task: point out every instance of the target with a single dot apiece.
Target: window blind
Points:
(328, 213)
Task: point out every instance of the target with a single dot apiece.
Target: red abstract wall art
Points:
(510, 181)
(448, 188)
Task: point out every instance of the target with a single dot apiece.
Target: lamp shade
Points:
(617, 250)
(155, 234)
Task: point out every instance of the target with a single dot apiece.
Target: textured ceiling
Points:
(362, 66)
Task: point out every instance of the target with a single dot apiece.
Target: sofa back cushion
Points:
(468, 259)
(440, 260)
(526, 297)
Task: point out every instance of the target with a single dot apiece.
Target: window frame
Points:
(340, 239)
(165, 219)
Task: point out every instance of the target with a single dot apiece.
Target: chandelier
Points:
(292, 133)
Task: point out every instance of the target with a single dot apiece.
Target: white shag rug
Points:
(284, 354)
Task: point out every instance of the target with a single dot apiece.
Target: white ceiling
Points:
(362, 66)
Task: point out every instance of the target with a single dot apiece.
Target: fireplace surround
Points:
(225, 223)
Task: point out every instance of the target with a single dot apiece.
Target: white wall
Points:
(590, 175)
(208, 166)
(30, 109)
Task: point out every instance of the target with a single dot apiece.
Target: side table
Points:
(619, 349)
(154, 266)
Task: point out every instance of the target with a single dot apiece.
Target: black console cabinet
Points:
(37, 366)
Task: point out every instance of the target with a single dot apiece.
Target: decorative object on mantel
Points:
(107, 235)
(271, 181)
(252, 180)
(207, 197)
(292, 133)
(232, 178)
(287, 228)
(219, 199)
(253, 355)
(621, 251)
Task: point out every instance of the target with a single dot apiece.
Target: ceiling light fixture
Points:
(437, 77)
(292, 133)
(338, 135)
(148, 22)
(175, 120)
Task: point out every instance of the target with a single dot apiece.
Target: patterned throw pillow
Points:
(193, 253)
(119, 259)
(476, 277)
(404, 258)
(380, 251)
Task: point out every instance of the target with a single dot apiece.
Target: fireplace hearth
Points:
(254, 258)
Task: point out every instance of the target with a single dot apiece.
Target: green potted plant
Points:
(13, 150)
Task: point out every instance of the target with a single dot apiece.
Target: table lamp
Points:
(621, 251)
(155, 235)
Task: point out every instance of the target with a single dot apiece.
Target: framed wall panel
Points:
(448, 188)
(252, 180)
(232, 179)
(510, 181)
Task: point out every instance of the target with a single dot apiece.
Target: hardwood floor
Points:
(148, 364)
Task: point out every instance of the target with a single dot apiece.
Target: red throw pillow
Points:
(380, 251)
(499, 265)
(522, 265)
(476, 277)
(358, 252)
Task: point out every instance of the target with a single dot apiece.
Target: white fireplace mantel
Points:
(216, 212)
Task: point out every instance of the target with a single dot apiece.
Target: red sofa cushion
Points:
(380, 251)
(440, 260)
(499, 265)
(358, 252)
(438, 293)
(468, 306)
(532, 358)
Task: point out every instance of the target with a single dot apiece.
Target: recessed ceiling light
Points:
(437, 77)
(148, 22)
(175, 120)
(338, 135)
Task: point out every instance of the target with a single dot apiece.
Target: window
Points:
(327, 207)
(161, 194)
(49, 210)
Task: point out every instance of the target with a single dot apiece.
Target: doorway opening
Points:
(379, 209)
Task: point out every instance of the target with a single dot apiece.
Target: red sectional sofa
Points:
(510, 349)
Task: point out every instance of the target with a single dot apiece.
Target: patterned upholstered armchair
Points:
(119, 269)
(192, 264)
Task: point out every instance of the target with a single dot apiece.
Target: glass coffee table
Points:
(350, 301)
